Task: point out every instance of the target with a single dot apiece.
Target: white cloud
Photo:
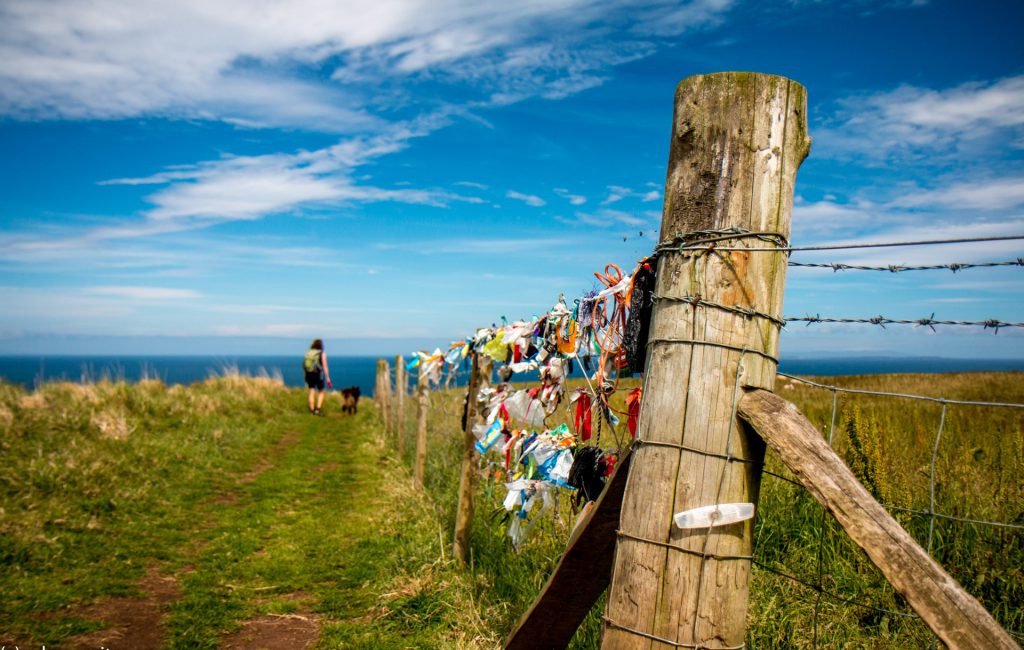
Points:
(145, 293)
(574, 199)
(923, 123)
(607, 217)
(313, 64)
(994, 194)
(617, 193)
(478, 246)
(479, 186)
(811, 220)
(251, 62)
(528, 199)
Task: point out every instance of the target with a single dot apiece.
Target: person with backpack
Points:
(314, 364)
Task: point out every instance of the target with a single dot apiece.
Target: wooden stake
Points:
(422, 405)
(384, 403)
(480, 377)
(400, 390)
(951, 613)
(737, 141)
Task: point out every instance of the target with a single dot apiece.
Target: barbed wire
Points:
(882, 321)
(692, 242)
(698, 301)
(900, 268)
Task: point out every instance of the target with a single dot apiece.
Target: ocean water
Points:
(361, 371)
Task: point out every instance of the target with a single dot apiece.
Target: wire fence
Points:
(932, 513)
(826, 586)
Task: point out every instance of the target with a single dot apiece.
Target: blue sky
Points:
(241, 176)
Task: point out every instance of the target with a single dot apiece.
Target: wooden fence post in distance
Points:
(382, 395)
(422, 404)
(737, 141)
(400, 390)
(480, 377)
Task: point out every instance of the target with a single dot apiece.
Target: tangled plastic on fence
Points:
(603, 333)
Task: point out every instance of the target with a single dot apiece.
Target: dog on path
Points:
(350, 400)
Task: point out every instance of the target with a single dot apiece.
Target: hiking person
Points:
(314, 364)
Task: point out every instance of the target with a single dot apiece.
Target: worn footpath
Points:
(320, 542)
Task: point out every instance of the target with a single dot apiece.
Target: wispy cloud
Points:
(607, 217)
(992, 194)
(314, 65)
(479, 186)
(541, 245)
(528, 199)
(108, 60)
(617, 193)
(574, 199)
(145, 293)
(924, 123)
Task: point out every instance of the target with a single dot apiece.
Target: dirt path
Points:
(321, 543)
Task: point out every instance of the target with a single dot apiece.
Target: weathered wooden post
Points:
(383, 392)
(422, 404)
(400, 390)
(480, 377)
(737, 141)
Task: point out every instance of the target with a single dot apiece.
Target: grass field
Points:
(979, 474)
(222, 515)
(215, 515)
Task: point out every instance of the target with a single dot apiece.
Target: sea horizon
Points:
(30, 371)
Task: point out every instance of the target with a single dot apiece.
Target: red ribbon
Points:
(582, 417)
(633, 409)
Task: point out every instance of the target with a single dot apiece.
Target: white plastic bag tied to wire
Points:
(711, 516)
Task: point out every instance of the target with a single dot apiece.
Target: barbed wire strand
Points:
(681, 245)
(900, 268)
(882, 321)
(696, 301)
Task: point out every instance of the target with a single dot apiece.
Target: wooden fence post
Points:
(400, 390)
(480, 377)
(422, 404)
(737, 141)
(383, 392)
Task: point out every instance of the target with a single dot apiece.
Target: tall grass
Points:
(97, 474)
(888, 442)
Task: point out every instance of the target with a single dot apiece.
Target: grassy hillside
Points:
(221, 512)
(979, 474)
(215, 515)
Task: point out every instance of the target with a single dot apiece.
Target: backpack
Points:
(311, 362)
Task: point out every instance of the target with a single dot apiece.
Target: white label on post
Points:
(709, 516)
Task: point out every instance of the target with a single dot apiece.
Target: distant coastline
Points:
(31, 370)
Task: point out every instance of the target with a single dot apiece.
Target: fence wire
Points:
(713, 242)
(932, 513)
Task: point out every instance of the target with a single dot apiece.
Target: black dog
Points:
(350, 400)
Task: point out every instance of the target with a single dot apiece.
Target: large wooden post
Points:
(383, 393)
(737, 141)
(400, 390)
(422, 404)
(480, 377)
